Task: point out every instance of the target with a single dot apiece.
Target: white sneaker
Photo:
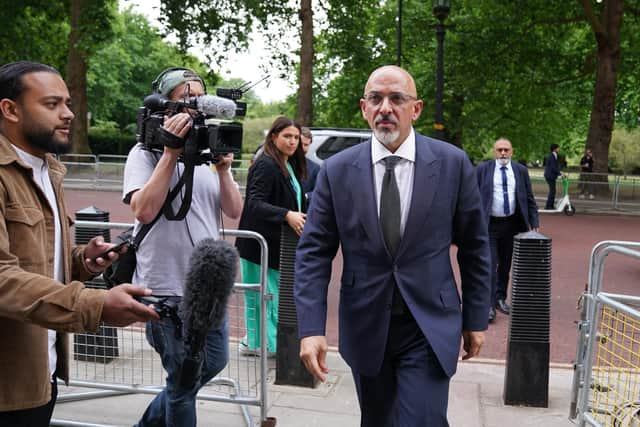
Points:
(581, 196)
(591, 197)
(244, 350)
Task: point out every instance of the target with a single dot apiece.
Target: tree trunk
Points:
(304, 114)
(604, 99)
(77, 81)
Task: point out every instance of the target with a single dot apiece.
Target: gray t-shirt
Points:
(163, 255)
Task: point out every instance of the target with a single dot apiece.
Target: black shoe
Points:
(503, 307)
(492, 315)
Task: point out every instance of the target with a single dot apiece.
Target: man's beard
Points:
(386, 136)
(504, 161)
(45, 141)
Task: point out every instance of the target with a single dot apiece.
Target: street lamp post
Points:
(441, 11)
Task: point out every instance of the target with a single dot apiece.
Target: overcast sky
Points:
(244, 66)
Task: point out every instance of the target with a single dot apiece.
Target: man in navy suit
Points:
(551, 174)
(509, 208)
(401, 316)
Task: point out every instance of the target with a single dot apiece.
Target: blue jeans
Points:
(175, 406)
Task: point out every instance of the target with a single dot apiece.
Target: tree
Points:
(527, 73)
(45, 37)
(121, 71)
(606, 25)
(304, 114)
(90, 22)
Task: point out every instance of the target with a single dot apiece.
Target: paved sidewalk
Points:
(475, 401)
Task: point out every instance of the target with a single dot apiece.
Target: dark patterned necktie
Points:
(505, 191)
(390, 205)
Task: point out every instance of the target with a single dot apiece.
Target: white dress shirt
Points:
(497, 207)
(41, 177)
(404, 172)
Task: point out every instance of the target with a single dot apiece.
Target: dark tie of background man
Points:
(505, 191)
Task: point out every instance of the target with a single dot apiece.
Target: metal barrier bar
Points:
(588, 333)
(118, 374)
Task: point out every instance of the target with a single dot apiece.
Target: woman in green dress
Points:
(273, 199)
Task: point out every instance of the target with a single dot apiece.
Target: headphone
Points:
(157, 82)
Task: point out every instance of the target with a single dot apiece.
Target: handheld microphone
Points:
(209, 105)
(212, 271)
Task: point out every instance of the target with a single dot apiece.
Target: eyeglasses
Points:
(395, 98)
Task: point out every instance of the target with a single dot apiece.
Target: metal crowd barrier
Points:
(606, 379)
(118, 361)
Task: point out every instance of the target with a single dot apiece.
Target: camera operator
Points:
(163, 255)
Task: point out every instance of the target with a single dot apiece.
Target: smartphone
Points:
(117, 248)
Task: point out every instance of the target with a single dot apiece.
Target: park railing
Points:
(106, 171)
(594, 191)
(606, 380)
(117, 361)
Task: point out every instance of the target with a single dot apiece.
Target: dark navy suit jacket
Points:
(551, 168)
(445, 209)
(526, 209)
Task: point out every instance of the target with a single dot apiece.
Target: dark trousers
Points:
(501, 232)
(32, 417)
(551, 198)
(411, 389)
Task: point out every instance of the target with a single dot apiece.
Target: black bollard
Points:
(289, 367)
(527, 372)
(101, 347)
(91, 213)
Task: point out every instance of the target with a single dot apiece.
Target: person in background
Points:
(163, 256)
(509, 208)
(308, 184)
(586, 169)
(551, 174)
(401, 317)
(42, 296)
(274, 197)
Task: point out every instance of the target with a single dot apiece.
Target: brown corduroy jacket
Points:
(30, 299)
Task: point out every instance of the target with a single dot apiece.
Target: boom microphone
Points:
(209, 105)
(212, 271)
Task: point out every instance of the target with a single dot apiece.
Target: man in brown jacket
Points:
(36, 255)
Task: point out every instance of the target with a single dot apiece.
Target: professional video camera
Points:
(212, 132)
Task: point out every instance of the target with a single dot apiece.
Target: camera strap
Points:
(191, 156)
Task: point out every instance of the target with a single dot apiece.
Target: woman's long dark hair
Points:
(297, 160)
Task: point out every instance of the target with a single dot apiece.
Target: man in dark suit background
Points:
(551, 174)
(395, 205)
(509, 208)
(309, 183)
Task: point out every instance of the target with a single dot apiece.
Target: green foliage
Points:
(253, 133)
(35, 31)
(624, 154)
(522, 70)
(108, 139)
(121, 72)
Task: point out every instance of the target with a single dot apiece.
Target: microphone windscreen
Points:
(212, 270)
(216, 106)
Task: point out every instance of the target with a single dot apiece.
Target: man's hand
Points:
(94, 255)
(178, 124)
(223, 163)
(121, 309)
(473, 341)
(313, 352)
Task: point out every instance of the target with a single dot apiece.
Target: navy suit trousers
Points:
(411, 389)
(551, 197)
(501, 232)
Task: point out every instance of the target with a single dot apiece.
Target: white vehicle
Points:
(329, 141)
